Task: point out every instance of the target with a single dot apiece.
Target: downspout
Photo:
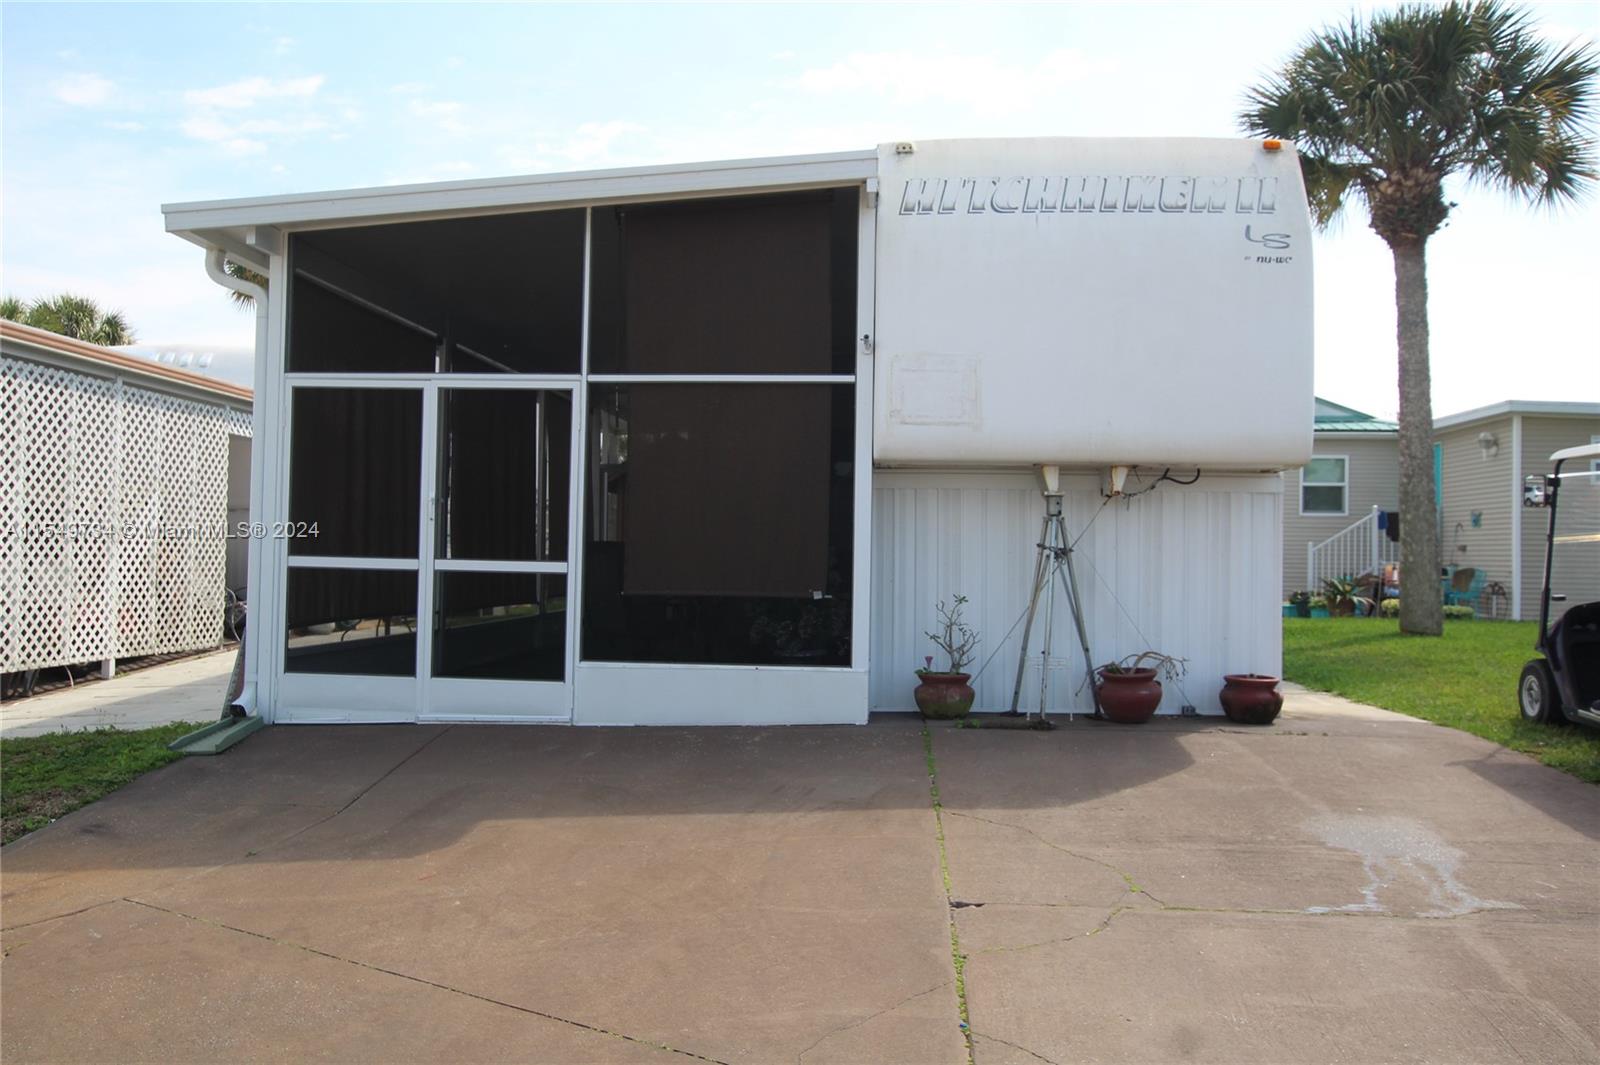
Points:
(240, 699)
(1516, 517)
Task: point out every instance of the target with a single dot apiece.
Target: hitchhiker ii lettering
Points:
(1135, 194)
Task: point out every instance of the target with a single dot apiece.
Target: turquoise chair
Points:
(1466, 585)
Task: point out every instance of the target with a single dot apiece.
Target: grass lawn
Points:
(1466, 679)
(43, 777)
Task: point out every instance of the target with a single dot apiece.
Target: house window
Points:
(1323, 483)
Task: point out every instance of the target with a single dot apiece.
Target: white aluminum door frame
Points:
(475, 699)
(342, 697)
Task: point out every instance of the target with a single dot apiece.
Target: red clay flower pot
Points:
(1129, 697)
(944, 696)
(1251, 698)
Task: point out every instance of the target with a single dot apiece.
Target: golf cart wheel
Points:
(1537, 696)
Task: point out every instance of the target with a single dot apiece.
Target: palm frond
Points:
(80, 318)
(243, 273)
(1395, 102)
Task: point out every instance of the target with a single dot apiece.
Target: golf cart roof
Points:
(1582, 451)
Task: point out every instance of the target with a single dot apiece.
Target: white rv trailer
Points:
(707, 444)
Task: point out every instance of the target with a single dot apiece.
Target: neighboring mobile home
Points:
(1481, 459)
(1354, 467)
(1484, 456)
(707, 443)
(119, 475)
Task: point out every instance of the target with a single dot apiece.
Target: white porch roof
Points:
(248, 229)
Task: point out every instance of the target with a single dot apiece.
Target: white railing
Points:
(1360, 548)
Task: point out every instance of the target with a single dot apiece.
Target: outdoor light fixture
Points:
(1489, 444)
(1272, 146)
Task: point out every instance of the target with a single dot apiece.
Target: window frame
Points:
(1343, 484)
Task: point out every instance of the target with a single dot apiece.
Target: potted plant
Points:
(1251, 698)
(947, 694)
(1318, 606)
(1340, 593)
(1128, 690)
(1301, 602)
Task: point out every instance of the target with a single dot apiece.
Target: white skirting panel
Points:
(641, 694)
(1189, 570)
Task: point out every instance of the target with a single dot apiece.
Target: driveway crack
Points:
(585, 1026)
(958, 959)
(800, 1057)
(1096, 930)
(358, 796)
(1015, 1046)
(208, 870)
(1127, 878)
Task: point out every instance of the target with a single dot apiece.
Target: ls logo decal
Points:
(1275, 241)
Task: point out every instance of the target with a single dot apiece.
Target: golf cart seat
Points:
(1575, 649)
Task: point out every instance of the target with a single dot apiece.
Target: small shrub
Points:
(1390, 608)
(955, 638)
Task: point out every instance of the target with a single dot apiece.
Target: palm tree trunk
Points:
(1421, 606)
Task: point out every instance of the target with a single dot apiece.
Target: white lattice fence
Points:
(113, 506)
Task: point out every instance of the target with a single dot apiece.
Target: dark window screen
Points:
(501, 626)
(355, 471)
(727, 490)
(352, 621)
(494, 294)
(749, 285)
(504, 471)
(329, 333)
(719, 524)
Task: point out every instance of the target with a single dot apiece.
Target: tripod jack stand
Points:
(1053, 560)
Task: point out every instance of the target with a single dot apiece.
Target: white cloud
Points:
(282, 45)
(445, 114)
(126, 127)
(408, 88)
(216, 115)
(447, 170)
(984, 82)
(590, 146)
(83, 90)
(247, 92)
(594, 140)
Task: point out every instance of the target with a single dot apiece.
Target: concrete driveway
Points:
(1348, 885)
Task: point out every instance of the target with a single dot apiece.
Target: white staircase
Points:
(1350, 552)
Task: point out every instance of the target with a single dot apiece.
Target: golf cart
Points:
(1564, 685)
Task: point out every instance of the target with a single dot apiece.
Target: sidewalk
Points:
(187, 690)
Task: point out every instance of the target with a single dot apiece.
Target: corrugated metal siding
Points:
(1475, 483)
(1196, 571)
(1577, 566)
(1374, 476)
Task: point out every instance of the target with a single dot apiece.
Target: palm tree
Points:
(243, 273)
(1385, 109)
(72, 316)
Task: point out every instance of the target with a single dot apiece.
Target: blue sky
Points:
(110, 111)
